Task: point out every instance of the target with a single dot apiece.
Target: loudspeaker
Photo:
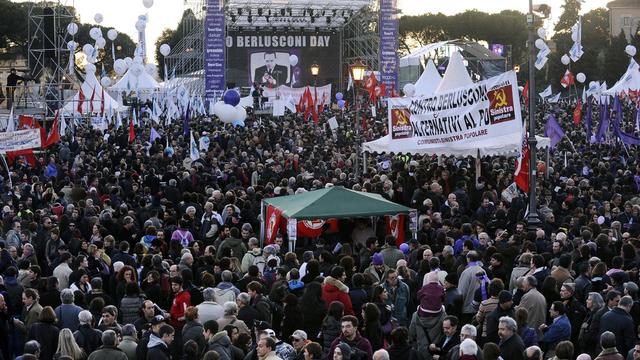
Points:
(48, 16)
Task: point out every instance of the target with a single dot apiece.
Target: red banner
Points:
(395, 227)
(273, 218)
(313, 228)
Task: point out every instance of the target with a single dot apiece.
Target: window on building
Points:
(626, 21)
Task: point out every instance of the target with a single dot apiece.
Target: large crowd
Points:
(114, 250)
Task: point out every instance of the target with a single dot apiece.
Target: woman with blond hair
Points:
(67, 346)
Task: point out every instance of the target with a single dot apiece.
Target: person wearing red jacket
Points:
(181, 301)
(334, 289)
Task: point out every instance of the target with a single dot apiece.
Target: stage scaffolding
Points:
(48, 56)
(355, 20)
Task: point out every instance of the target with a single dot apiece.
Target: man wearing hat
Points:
(452, 296)
(299, 340)
(378, 270)
(576, 312)
(154, 333)
(504, 308)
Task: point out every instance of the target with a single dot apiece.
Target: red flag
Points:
(393, 92)
(93, 94)
(525, 93)
(300, 106)
(102, 103)
(568, 79)
(313, 228)
(577, 113)
(370, 85)
(27, 122)
(54, 133)
(80, 100)
(395, 227)
(274, 217)
(12, 156)
(132, 132)
(307, 102)
(521, 174)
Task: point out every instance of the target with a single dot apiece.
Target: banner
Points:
(20, 140)
(388, 29)
(323, 93)
(485, 115)
(280, 57)
(272, 224)
(214, 49)
(313, 228)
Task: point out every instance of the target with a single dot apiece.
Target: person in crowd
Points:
(511, 345)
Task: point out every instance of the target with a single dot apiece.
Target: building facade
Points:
(624, 15)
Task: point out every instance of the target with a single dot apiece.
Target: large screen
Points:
(282, 58)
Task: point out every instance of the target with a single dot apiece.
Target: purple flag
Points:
(553, 130)
(626, 138)
(154, 135)
(604, 122)
(588, 118)
(185, 122)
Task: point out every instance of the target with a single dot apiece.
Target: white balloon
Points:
(105, 81)
(72, 28)
(141, 25)
(150, 69)
(241, 113)
(98, 18)
(112, 34)
(217, 106)
(165, 49)
(92, 59)
(71, 45)
(630, 50)
(137, 60)
(574, 37)
(565, 59)
(409, 89)
(540, 44)
(88, 50)
(136, 70)
(95, 33)
(120, 66)
(542, 33)
(100, 43)
(129, 61)
(293, 60)
(226, 113)
(90, 69)
(581, 77)
(147, 3)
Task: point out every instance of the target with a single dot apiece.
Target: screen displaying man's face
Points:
(270, 60)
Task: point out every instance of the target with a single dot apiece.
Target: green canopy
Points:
(335, 202)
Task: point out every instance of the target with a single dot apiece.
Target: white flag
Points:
(194, 153)
(584, 94)
(554, 99)
(350, 85)
(63, 125)
(11, 123)
(118, 120)
(546, 93)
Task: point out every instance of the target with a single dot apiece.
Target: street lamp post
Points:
(357, 70)
(533, 220)
(315, 70)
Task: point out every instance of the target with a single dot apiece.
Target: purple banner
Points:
(388, 27)
(214, 49)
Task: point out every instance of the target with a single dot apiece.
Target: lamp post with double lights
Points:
(357, 70)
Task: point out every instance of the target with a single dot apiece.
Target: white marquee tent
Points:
(91, 87)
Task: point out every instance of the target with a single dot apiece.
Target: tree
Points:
(173, 37)
(570, 11)
(616, 61)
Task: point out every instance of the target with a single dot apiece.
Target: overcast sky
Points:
(122, 14)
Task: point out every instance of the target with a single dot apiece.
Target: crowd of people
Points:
(119, 249)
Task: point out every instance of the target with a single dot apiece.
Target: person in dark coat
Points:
(109, 350)
(620, 323)
(452, 296)
(46, 333)
(511, 345)
(400, 348)
(576, 312)
(449, 338)
(158, 347)
(193, 329)
(504, 308)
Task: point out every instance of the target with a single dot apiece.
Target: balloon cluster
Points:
(229, 111)
(340, 99)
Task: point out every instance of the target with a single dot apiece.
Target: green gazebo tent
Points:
(333, 202)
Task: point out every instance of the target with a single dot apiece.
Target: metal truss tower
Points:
(360, 40)
(187, 57)
(48, 54)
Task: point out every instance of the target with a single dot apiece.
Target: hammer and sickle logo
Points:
(401, 117)
(501, 98)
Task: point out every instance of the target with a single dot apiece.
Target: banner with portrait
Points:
(484, 115)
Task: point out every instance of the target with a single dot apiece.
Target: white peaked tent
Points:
(630, 80)
(91, 86)
(428, 81)
(129, 82)
(456, 75)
